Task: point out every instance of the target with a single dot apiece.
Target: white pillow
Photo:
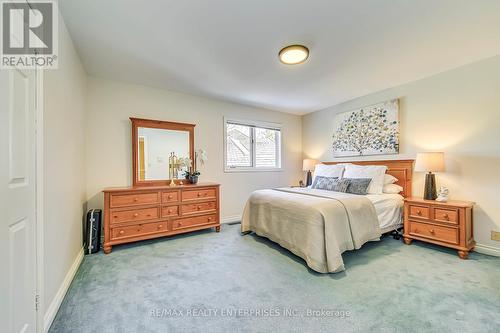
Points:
(333, 170)
(389, 179)
(375, 172)
(392, 189)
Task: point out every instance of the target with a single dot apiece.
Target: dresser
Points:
(443, 223)
(137, 213)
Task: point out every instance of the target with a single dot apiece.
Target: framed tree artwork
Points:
(371, 130)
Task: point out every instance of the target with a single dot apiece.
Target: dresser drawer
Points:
(198, 207)
(170, 211)
(194, 221)
(124, 200)
(198, 194)
(446, 215)
(419, 212)
(138, 230)
(134, 215)
(171, 196)
(434, 232)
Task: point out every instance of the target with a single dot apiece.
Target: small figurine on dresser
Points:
(443, 194)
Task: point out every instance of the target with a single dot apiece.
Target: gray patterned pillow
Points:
(330, 184)
(358, 185)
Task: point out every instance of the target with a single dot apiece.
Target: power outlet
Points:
(495, 235)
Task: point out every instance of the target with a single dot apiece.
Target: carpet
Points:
(225, 282)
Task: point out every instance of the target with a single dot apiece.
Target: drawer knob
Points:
(136, 214)
(170, 196)
(115, 216)
(149, 215)
(199, 194)
(160, 226)
(419, 212)
(122, 232)
(446, 217)
(199, 207)
(136, 199)
(210, 219)
(169, 211)
(180, 223)
(431, 231)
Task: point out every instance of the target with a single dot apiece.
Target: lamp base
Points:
(309, 178)
(430, 187)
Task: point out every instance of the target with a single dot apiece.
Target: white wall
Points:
(109, 156)
(64, 165)
(457, 112)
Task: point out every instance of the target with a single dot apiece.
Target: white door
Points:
(17, 201)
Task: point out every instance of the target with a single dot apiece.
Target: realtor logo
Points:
(29, 34)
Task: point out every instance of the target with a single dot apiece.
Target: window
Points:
(251, 146)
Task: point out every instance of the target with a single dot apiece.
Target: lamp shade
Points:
(308, 164)
(430, 162)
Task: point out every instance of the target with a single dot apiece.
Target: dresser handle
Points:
(115, 216)
(136, 199)
(446, 217)
(179, 224)
(149, 215)
(199, 207)
(122, 232)
(431, 231)
(160, 226)
(210, 219)
(170, 196)
(169, 211)
(136, 214)
(199, 194)
(419, 212)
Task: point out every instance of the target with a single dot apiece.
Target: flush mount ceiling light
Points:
(294, 54)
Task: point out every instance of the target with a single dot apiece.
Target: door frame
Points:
(39, 202)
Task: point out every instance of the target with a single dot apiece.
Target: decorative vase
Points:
(193, 179)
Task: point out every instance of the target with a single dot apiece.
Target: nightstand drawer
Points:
(434, 232)
(419, 212)
(446, 215)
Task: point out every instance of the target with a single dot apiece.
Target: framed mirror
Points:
(160, 150)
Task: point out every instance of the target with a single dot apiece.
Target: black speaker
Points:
(92, 231)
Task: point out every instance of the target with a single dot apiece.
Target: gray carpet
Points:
(249, 284)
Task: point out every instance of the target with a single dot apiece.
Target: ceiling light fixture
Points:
(294, 54)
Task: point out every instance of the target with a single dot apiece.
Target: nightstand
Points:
(443, 223)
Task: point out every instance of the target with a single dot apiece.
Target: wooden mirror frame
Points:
(168, 125)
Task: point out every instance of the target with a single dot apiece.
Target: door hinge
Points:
(37, 302)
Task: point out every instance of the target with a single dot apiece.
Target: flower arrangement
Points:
(193, 173)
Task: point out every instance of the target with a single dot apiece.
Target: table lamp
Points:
(430, 162)
(308, 165)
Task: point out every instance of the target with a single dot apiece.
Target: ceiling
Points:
(228, 49)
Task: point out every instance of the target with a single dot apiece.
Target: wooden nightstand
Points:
(444, 223)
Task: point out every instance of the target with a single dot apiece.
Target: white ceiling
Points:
(227, 49)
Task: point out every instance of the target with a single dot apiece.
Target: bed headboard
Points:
(401, 169)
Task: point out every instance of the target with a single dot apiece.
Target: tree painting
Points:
(372, 130)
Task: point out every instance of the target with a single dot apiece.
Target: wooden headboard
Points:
(401, 169)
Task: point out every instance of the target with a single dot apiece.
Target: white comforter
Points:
(316, 225)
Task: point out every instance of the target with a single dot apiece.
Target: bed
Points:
(319, 225)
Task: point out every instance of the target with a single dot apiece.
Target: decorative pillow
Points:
(374, 172)
(389, 179)
(358, 185)
(392, 189)
(335, 170)
(330, 184)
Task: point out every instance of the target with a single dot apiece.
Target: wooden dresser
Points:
(444, 223)
(137, 213)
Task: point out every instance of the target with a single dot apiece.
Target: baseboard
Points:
(487, 249)
(51, 312)
(231, 219)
